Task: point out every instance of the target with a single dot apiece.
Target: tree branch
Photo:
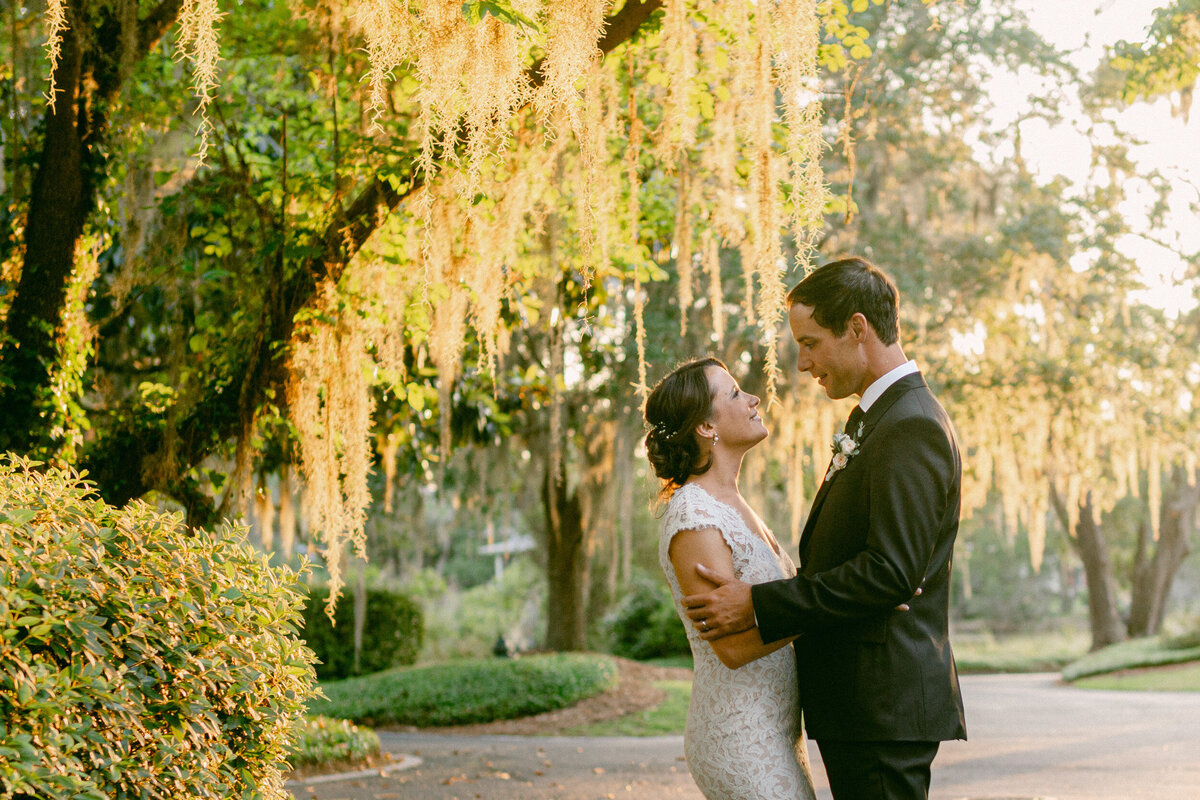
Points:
(121, 461)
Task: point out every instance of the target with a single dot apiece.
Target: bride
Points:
(743, 739)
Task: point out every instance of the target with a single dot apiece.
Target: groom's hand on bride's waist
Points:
(726, 609)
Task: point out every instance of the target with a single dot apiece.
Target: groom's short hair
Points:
(840, 289)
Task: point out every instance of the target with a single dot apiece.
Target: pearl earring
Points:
(716, 438)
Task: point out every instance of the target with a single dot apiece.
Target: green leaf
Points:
(656, 77)
(18, 516)
(416, 396)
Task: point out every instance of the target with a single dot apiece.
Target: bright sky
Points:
(1171, 145)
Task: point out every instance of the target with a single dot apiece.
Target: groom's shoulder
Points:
(910, 394)
(914, 401)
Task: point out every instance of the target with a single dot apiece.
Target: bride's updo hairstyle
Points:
(676, 405)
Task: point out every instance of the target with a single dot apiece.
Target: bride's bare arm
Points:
(706, 546)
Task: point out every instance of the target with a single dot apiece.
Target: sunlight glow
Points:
(971, 343)
(1167, 144)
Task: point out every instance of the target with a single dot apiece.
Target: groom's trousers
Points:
(878, 770)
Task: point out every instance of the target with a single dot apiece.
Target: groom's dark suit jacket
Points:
(878, 529)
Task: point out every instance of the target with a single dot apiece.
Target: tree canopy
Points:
(406, 231)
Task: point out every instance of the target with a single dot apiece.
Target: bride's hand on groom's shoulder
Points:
(725, 610)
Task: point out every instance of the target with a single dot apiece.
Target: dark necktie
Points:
(855, 418)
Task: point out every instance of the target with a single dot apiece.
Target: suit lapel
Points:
(886, 400)
(870, 420)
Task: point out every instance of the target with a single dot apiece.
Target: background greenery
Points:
(392, 631)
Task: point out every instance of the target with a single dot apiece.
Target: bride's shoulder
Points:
(688, 507)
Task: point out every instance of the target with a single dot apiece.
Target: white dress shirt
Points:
(883, 382)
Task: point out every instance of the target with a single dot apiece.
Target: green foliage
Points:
(644, 623)
(1169, 59)
(1006, 593)
(475, 11)
(466, 624)
(458, 693)
(1150, 652)
(140, 658)
(321, 740)
(393, 630)
(665, 719)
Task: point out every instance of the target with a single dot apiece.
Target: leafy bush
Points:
(458, 693)
(321, 740)
(139, 658)
(393, 630)
(1150, 652)
(644, 623)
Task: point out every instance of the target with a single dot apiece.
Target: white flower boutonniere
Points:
(845, 447)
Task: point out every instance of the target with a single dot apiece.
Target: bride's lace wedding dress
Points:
(743, 739)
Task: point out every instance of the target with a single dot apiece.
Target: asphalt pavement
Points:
(1030, 737)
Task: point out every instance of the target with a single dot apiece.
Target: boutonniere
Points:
(845, 447)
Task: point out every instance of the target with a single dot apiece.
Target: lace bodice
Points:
(743, 739)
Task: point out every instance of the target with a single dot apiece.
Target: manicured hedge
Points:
(458, 693)
(138, 658)
(393, 632)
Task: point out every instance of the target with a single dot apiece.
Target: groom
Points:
(878, 685)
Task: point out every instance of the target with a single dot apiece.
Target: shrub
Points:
(1148, 652)
(139, 658)
(644, 623)
(321, 740)
(459, 693)
(393, 630)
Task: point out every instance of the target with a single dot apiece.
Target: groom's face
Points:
(836, 362)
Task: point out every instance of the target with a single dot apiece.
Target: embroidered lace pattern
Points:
(743, 739)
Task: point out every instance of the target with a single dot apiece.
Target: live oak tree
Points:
(309, 270)
(372, 274)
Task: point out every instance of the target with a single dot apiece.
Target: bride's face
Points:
(734, 416)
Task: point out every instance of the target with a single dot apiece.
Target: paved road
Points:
(1030, 738)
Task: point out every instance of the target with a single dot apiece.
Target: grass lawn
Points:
(1173, 678)
(665, 719)
(1039, 651)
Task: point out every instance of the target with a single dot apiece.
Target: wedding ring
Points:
(703, 624)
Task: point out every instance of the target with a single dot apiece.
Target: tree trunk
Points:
(1093, 551)
(287, 513)
(565, 623)
(1153, 577)
(360, 605)
(62, 196)
(58, 206)
(623, 540)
